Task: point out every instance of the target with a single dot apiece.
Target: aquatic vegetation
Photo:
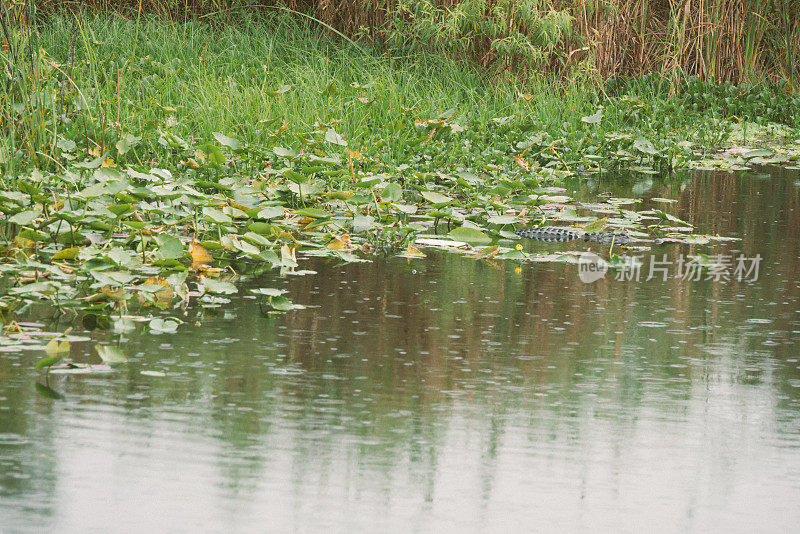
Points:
(164, 177)
(101, 237)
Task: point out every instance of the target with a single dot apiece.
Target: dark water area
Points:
(445, 394)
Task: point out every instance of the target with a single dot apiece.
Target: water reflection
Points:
(444, 394)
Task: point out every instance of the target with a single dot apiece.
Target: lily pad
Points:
(469, 235)
(436, 198)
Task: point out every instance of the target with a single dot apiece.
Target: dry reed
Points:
(736, 40)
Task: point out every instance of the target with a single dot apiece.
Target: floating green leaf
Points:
(212, 285)
(268, 291)
(163, 325)
(436, 198)
(469, 235)
(217, 216)
(271, 213)
(25, 218)
(503, 219)
(282, 304)
(169, 247)
(757, 153)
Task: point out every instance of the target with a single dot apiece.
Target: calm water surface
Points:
(443, 395)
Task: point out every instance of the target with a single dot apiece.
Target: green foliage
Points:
(185, 158)
(527, 34)
(719, 40)
(757, 103)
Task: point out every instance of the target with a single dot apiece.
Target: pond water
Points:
(444, 393)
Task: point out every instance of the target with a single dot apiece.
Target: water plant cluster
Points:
(148, 168)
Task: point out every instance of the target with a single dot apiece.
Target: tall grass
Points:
(266, 80)
(736, 40)
(82, 83)
(27, 106)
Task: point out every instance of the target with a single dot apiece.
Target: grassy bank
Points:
(267, 79)
(275, 81)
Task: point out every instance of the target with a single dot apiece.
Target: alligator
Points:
(561, 235)
(548, 233)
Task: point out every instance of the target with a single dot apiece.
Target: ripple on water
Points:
(717, 349)
(287, 371)
(8, 439)
(652, 324)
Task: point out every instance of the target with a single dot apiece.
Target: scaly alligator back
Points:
(606, 238)
(547, 233)
(560, 235)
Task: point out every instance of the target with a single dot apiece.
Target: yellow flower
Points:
(518, 270)
(519, 247)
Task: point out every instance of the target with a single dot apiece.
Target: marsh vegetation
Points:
(154, 155)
